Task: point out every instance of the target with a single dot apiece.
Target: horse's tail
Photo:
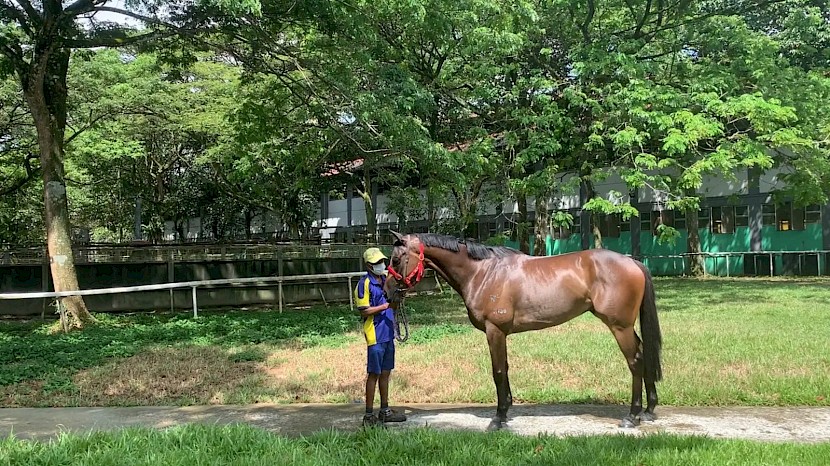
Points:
(650, 328)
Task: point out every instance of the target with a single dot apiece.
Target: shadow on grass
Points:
(31, 353)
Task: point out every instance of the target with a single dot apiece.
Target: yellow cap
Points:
(373, 255)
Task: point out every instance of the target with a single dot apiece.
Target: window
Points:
(609, 226)
(680, 220)
(812, 214)
(661, 217)
(703, 217)
(645, 222)
(723, 220)
(768, 214)
(564, 232)
(626, 225)
(797, 218)
(488, 230)
(783, 217)
(741, 216)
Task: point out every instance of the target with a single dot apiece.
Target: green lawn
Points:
(239, 445)
(726, 342)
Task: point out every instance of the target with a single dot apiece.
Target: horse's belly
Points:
(534, 316)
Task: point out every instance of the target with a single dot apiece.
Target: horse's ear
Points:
(398, 238)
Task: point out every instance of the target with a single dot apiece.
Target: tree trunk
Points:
(45, 92)
(696, 265)
(366, 195)
(249, 217)
(596, 231)
(595, 217)
(542, 229)
(522, 231)
(432, 212)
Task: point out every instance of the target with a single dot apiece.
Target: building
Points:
(738, 218)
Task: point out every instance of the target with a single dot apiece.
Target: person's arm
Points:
(372, 310)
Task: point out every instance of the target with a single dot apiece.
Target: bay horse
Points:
(506, 291)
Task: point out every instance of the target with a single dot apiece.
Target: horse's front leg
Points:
(497, 340)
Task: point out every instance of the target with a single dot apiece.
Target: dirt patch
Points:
(805, 425)
(202, 375)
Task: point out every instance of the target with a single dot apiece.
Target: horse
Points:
(506, 291)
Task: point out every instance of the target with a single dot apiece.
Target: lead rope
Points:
(400, 319)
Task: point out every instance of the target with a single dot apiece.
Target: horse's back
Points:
(591, 261)
(613, 283)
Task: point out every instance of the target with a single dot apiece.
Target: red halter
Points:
(416, 274)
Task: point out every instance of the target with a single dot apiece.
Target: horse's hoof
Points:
(630, 422)
(648, 417)
(495, 425)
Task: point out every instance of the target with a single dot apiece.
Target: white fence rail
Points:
(193, 285)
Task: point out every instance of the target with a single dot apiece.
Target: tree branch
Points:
(31, 173)
(588, 18)
(16, 15)
(30, 10)
(129, 14)
(93, 42)
(100, 117)
(638, 31)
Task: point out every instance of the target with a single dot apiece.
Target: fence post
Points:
(279, 284)
(279, 291)
(727, 266)
(770, 265)
(351, 296)
(171, 277)
(44, 279)
(195, 306)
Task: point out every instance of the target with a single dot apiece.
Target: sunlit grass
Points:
(726, 342)
(242, 445)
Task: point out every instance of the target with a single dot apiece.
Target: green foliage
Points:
(479, 101)
(561, 218)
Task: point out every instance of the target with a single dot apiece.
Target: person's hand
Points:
(374, 310)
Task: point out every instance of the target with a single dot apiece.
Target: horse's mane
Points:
(475, 251)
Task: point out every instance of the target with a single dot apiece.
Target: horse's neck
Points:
(455, 267)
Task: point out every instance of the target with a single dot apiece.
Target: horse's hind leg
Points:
(630, 346)
(497, 341)
(651, 395)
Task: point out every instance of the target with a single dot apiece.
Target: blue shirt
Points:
(378, 328)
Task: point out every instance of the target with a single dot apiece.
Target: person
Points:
(379, 331)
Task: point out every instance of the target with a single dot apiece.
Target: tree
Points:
(36, 42)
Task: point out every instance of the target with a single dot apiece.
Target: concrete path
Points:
(765, 424)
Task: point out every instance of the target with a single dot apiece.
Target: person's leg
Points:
(383, 386)
(374, 360)
(371, 381)
(388, 363)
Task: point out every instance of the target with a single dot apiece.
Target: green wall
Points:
(772, 240)
(650, 246)
(730, 242)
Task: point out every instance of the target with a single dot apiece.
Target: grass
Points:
(750, 342)
(240, 445)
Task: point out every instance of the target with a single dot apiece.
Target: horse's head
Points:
(406, 266)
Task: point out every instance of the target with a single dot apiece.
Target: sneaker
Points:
(388, 415)
(370, 420)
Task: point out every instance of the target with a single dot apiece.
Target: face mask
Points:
(379, 269)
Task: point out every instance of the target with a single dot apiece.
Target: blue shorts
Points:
(380, 357)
